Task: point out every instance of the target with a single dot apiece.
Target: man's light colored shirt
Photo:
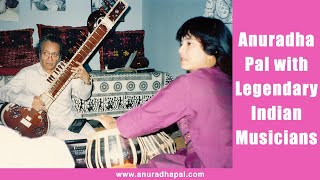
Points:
(32, 81)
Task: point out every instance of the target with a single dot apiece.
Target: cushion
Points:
(72, 37)
(12, 60)
(21, 38)
(117, 47)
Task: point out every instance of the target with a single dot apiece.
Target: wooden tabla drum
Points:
(108, 149)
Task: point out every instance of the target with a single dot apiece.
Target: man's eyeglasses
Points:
(46, 54)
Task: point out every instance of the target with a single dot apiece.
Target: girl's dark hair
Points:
(50, 38)
(215, 38)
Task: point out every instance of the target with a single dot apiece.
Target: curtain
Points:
(220, 9)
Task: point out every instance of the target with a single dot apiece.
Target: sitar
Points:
(31, 123)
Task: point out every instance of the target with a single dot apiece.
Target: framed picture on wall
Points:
(48, 5)
(105, 4)
(219, 9)
(95, 5)
(9, 10)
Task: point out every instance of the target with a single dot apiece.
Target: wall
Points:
(159, 18)
(161, 22)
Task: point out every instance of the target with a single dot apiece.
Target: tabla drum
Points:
(108, 149)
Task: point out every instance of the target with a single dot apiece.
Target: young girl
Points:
(199, 101)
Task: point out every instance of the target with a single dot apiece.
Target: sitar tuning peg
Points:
(60, 68)
(50, 79)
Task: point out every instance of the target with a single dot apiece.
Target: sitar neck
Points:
(62, 75)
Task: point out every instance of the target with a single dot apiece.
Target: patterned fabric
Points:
(117, 47)
(115, 94)
(21, 38)
(12, 60)
(72, 37)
